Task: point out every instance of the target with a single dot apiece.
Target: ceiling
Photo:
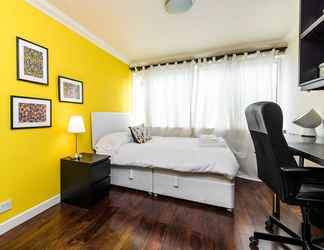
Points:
(143, 32)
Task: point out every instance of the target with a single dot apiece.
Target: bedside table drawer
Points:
(101, 186)
(100, 171)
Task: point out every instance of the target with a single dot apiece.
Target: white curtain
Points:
(162, 97)
(209, 96)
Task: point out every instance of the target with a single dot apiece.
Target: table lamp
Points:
(309, 121)
(76, 126)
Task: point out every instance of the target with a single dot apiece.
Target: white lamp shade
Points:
(311, 119)
(76, 124)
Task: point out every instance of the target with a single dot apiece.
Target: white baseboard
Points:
(247, 177)
(28, 214)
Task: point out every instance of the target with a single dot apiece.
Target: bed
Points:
(170, 166)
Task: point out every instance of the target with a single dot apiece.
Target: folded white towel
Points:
(209, 138)
(211, 141)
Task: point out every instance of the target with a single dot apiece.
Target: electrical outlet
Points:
(5, 206)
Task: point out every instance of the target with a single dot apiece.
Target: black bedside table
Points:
(84, 181)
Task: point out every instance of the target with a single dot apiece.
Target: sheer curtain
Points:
(212, 96)
(162, 97)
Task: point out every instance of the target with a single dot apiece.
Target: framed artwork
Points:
(32, 62)
(70, 90)
(28, 112)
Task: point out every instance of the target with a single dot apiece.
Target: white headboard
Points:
(103, 123)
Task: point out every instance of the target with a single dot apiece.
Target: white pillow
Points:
(111, 142)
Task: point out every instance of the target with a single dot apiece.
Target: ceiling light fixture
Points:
(178, 6)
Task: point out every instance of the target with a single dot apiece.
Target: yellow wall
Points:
(29, 166)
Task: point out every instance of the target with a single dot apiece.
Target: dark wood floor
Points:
(133, 220)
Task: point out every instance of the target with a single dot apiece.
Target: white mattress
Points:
(179, 154)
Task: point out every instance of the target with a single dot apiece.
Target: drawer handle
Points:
(131, 174)
(176, 182)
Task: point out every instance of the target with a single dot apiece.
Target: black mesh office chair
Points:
(278, 169)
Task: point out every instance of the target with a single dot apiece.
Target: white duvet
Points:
(179, 154)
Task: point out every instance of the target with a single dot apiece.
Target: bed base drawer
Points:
(132, 177)
(212, 190)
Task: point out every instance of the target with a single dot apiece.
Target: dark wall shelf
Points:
(315, 30)
(316, 84)
(311, 50)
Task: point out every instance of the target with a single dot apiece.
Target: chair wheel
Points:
(269, 225)
(253, 241)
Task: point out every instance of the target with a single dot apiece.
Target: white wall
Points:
(293, 101)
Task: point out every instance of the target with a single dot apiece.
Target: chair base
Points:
(292, 239)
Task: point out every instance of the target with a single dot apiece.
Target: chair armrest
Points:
(303, 175)
(294, 152)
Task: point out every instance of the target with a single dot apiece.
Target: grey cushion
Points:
(140, 134)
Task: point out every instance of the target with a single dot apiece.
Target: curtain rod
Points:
(207, 59)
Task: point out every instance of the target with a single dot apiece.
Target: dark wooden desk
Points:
(306, 148)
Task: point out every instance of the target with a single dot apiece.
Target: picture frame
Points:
(30, 112)
(32, 62)
(70, 90)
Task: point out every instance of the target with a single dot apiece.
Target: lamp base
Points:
(77, 156)
(308, 132)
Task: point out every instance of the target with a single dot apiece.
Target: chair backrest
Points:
(265, 122)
